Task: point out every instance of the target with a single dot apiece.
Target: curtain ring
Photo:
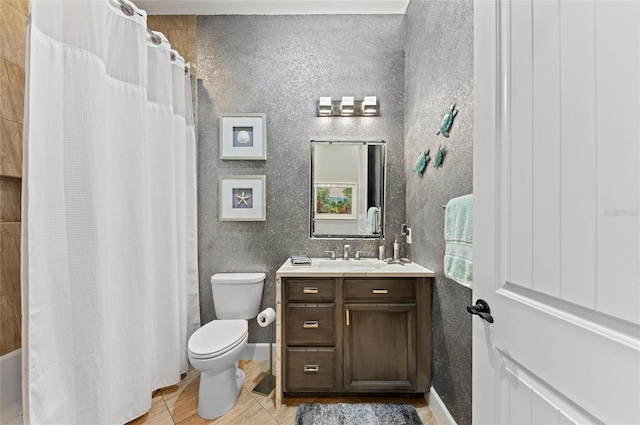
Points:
(126, 8)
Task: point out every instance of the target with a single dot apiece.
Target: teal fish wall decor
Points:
(437, 163)
(421, 162)
(447, 121)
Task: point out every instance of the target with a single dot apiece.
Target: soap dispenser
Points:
(396, 249)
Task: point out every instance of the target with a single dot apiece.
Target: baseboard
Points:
(257, 351)
(439, 409)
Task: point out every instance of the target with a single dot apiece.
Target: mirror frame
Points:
(379, 236)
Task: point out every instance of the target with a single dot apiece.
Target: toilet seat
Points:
(216, 338)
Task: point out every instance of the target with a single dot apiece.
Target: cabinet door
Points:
(380, 348)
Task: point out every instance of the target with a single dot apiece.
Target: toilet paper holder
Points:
(268, 383)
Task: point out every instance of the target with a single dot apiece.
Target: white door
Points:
(556, 194)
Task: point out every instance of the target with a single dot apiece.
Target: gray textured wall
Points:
(439, 72)
(281, 65)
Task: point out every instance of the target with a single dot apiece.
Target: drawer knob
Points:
(310, 291)
(379, 291)
(312, 368)
(310, 324)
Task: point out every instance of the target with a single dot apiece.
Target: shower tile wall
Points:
(181, 32)
(13, 29)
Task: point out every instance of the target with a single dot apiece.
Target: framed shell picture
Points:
(242, 198)
(243, 136)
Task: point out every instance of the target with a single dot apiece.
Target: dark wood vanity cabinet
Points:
(367, 335)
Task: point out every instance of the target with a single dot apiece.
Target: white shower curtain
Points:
(110, 281)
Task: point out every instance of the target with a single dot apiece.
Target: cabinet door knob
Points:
(347, 316)
(310, 324)
(380, 291)
(313, 368)
(310, 291)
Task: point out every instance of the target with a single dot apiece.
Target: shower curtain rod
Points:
(155, 38)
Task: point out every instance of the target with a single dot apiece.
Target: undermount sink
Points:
(365, 263)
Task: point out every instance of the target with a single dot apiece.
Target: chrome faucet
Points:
(345, 252)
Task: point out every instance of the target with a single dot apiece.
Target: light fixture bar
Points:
(368, 107)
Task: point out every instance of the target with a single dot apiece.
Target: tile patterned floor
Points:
(178, 404)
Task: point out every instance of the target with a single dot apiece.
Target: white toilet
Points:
(215, 348)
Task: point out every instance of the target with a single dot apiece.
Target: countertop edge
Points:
(293, 273)
(416, 270)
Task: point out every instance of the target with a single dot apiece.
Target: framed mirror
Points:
(347, 189)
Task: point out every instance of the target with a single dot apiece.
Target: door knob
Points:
(481, 309)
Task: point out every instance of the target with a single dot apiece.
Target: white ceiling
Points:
(271, 7)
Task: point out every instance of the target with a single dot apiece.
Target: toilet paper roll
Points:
(266, 316)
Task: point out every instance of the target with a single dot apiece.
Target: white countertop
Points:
(353, 268)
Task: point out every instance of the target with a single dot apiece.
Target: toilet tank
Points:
(237, 295)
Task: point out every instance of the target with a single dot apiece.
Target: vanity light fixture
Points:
(348, 106)
(370, 105)
(324, 106)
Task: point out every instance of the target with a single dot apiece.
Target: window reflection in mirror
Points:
(347, 189)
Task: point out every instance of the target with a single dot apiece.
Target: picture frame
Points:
(243, 137)
(242, 198)
(335, 200)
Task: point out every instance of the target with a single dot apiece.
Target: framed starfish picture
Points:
(242, 198)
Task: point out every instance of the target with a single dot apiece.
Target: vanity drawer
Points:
(310, 369)
(310, 324)
(310, 290)
(380, 290)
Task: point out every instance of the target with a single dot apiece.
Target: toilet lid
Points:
(217, 337)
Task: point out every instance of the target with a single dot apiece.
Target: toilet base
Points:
(219, 391)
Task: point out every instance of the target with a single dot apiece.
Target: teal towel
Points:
(458, 238)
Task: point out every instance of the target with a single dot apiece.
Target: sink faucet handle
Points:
(359, 255)
(331, 254)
